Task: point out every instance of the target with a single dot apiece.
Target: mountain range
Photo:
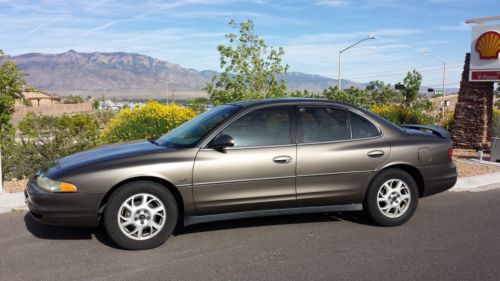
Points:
(132, 75)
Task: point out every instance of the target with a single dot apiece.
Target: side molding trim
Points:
(190, 220)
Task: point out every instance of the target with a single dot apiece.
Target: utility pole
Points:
(167, 91)
(425, 53)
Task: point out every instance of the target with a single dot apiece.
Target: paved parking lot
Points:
(453, 236)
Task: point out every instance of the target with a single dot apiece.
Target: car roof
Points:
(251, 103)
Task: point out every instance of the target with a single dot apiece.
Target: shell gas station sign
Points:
(485, 53)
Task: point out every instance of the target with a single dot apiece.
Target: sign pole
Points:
(444, 93)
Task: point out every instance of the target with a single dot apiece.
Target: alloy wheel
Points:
(393, 198)
(141, 216)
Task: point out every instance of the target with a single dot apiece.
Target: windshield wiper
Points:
(153, 141)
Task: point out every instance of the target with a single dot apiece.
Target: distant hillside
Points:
(127, 74)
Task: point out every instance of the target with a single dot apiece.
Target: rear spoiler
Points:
(438, 131)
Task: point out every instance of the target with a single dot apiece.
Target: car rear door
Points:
(333, 162)
(257, 173)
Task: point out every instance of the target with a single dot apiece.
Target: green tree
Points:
(11, 87)
(383, 93)
(410, 86)
(73, 99)
(250, 69)
(95, 104)
(199, 105)
(351, 95)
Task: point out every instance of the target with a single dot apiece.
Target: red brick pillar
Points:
(473, 113)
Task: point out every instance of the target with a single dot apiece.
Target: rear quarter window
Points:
(361, 127)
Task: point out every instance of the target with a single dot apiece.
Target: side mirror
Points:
(222, 142)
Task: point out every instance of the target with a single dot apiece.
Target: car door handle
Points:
(283, 159)
(376, 153)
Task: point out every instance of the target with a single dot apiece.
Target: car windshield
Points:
(189, 133)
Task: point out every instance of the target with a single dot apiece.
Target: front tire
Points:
(392, 198)
(140, 215)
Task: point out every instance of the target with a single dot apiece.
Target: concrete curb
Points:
(12, 202)
(15, 201)
(477, 183)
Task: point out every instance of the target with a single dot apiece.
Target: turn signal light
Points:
(67, 187)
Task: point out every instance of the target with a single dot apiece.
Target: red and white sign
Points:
(485, 53)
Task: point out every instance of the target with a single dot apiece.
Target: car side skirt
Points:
(190, 220)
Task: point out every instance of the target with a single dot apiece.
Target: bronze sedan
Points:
(248, 159)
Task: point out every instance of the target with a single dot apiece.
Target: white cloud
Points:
(459, 27)
(332, 3)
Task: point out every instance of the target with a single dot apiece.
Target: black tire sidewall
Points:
(123, 193)
(371, 204)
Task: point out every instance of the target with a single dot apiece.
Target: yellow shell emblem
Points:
(488, 45)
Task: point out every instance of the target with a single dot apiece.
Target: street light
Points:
(426, 53)
(371, 36)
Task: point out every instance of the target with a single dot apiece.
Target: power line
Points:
(388, 74)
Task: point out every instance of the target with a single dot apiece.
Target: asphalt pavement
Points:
(453, 236)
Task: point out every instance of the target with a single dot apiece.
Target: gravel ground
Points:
(464, 169)
(470, 169)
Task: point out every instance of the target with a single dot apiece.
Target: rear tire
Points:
(392, 198)
(140, 215)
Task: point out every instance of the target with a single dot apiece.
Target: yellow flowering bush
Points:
(148, 121)
(402, 115)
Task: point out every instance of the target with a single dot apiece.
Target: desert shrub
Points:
(43, 139)
(104, 116)
(446, 121)
(402, 115)
(148, 121)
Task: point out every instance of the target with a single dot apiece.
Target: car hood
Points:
(103, 154)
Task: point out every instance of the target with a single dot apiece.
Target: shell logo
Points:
(488, 45)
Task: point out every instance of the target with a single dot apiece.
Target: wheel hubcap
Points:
(393, 198)
(141, 216)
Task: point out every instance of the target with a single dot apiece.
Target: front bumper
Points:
(69, 209)
(438, 178)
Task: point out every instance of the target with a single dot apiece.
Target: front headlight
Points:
(54, 186)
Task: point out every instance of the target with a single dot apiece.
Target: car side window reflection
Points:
(261, 127)
(323, 124)
(362, 128)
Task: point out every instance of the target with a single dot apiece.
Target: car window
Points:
(322, 124)
(189, 133)
(261, 127)
(362, 128)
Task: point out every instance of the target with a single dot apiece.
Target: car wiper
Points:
(153, 141)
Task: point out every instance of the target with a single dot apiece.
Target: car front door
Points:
(334, 162)
(257, 173)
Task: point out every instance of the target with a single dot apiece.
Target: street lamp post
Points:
(371, 36)
(425, 53)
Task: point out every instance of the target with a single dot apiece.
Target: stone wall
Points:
(473, 112)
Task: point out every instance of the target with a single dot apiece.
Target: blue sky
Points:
(186, 32)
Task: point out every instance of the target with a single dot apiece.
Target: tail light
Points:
(450, 152)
